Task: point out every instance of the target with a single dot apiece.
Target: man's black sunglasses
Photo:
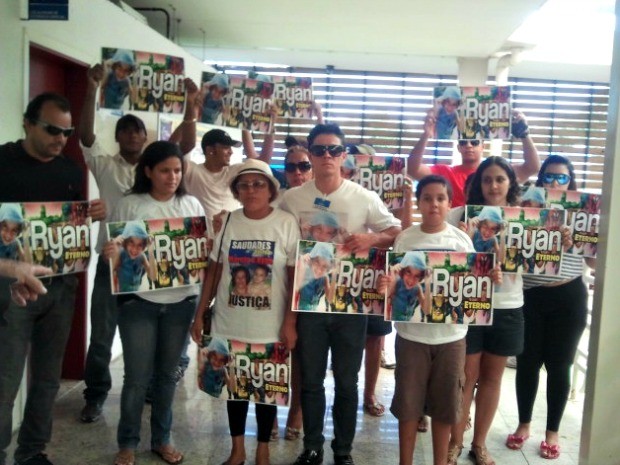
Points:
(473, 142)
(54, 130)
(334, 150)
(303, 166)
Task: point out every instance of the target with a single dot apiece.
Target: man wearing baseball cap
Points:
(115, 175)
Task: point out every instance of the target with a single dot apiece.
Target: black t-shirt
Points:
(26, 179)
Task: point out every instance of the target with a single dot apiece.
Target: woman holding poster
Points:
(153, 324)
(487, 347)
(262, 240)
(555, 312)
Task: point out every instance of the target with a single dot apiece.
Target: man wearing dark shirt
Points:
(33, 170)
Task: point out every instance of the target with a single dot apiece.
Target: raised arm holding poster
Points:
(158, 254)
(440, 287)
(235, 370)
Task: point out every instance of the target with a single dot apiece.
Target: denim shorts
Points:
(504, 337)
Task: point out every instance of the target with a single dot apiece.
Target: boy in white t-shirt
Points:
(430, 359)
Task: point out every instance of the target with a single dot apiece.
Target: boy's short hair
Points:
(129, 121)
(432, 179)
(325, 129)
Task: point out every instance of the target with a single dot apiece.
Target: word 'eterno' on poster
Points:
(143, 81)
(472, 112)
(439, 287)
(524, 239)
(383, 175)
(292, 97)
(236, 370)
(330, 279)
(152, 255)
(247, 104)
(52, 234)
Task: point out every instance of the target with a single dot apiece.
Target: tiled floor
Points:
(201, 430)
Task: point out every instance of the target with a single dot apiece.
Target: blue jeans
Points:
(153, 336)
(43, 325)
(103, 316)
(346, 336)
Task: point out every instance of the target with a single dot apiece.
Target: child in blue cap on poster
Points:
(116, 85)
(446, 112)
(213, 99)
(214, 374)
(484, 228)
(407, 291)
(314, 283)
(11, 227)
(130, 263)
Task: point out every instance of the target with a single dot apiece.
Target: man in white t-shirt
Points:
(115, 176)
(357, 211)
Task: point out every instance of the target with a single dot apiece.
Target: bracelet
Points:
(189, 121)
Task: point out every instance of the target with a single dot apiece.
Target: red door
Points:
(56, 73)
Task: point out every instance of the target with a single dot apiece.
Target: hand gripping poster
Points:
(439, 287)
(235, 370)
(330, 279)
(150, 255)
(524, 239)
(51, 234)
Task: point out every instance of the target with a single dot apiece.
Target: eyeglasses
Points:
(54, 130)
(256, 185)
(561, 178)
(473, 142)
(334, 150)
(303, 166)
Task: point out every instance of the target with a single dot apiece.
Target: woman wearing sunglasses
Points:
(555, 312)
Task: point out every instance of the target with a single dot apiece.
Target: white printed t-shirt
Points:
(145, 207)
(210, 188)
(114, 176)
(254, 316)
(357, 209)
(451, 239)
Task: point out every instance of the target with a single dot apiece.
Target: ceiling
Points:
(388, 35)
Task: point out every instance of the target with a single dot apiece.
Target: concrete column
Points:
(601, 417)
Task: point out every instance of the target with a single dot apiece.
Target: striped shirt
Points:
(570, 268)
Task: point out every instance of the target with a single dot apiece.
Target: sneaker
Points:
(91, 412)
(179, 372)
(343, 460)
(387, 361)
(310, 457)
(511, 362)
(39, 459)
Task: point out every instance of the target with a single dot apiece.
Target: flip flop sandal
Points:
(376, 409)
(169, 455)
(516, 441)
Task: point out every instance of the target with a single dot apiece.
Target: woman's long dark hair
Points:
(154, 154)
(475, 196)
(558, 160)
